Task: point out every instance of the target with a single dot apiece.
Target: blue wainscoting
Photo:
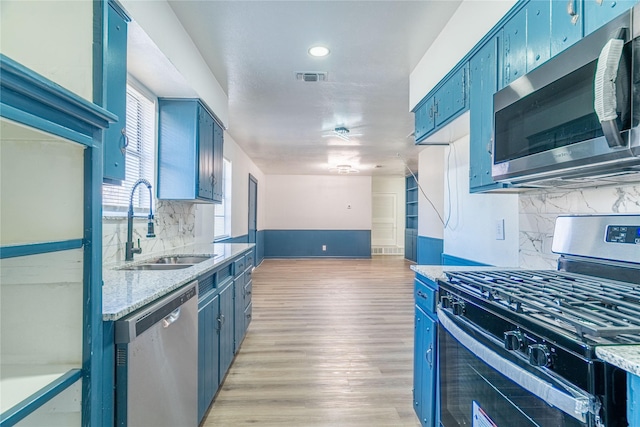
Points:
(454, 260)
(308, 243)
(429, 250)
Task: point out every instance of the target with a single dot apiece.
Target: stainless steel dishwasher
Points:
(157, 363)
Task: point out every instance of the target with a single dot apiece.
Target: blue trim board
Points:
(633, 399)
(430, 250)
(308, 243)
(454, 260)
(25, 408)
(39, 248)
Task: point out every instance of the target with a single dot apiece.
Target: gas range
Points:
(551, 321)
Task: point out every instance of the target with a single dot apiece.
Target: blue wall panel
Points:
(429, 250)
(454, 260)
(308, 243)
(259, 246)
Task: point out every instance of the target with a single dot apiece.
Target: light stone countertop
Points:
(625, 357)
(125, 291)
(433, 272)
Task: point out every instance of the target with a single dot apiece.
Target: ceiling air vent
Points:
(311, 76)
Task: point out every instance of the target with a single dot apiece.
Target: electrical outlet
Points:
(324, 248)
(500, 229)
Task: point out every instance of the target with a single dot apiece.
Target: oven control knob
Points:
(514, 340)
(539, 355)
(458, 308)
(445, 302)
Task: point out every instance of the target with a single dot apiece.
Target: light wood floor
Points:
(330, 344)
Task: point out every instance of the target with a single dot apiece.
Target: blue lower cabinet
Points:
(425, 353)
(226, 328)
(208, 351)
(238, 317)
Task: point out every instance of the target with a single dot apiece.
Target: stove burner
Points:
(582, 304)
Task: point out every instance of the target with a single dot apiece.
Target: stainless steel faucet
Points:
(129, 249)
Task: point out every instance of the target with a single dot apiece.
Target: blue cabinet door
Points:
(208, 353)
(419, 321)
(566, 24)
(226, 328)
(115, 95)
(424, 377)
(538, 33)
(451, 98)
(599, 12)
(514, 47)
(205, 154)
(217, 153)
(483, 84)
(238, 311)
(424, 119)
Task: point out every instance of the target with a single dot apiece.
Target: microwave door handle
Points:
(605, 102)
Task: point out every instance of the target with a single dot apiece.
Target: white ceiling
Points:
(254, 48)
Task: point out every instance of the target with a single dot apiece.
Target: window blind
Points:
(139, 156)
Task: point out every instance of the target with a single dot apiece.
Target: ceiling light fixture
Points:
(341, 132)
(318, 51)
(344, 169)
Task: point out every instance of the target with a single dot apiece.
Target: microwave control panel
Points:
(623, 234)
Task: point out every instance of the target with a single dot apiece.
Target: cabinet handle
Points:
(571, 10)
(489, 146)
(125, 138)
(429, 356)
(421, 294)
(431, 111)
(435, 108)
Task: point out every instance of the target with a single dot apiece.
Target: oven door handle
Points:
(575, 403)
(604, 86)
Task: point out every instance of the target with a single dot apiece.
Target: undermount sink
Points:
(157, 267)
(172, 262)
(181, 259)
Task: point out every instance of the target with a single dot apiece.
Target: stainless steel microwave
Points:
(573, 121)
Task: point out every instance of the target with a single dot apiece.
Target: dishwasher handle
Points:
(164, 311)
(172, 317)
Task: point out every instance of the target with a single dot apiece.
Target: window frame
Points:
(118, 210)
(227, 179)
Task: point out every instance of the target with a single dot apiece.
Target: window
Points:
(140, 156)
(222, 218)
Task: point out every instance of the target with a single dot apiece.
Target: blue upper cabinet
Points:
(114, 95)
(451, 98)
(566, 24)
(218, 147)
(483, 70)
(538, 32)
(514, 47)
(186, 156)
(446, 103)
(424, 119)
(599, 12)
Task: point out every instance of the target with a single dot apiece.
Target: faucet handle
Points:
(137, 250)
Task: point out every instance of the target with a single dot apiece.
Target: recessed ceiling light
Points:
(318, 51)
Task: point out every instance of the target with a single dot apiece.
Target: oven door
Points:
(483, 385)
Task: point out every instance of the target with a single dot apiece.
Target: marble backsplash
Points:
(174, 226)
(538, 211)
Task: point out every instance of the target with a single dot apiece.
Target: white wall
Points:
(157, 19)
(53, 38)
(472, 20)
(310, 202)
(431, 177)
(471, 218)
(241, 167)
(393, 185)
